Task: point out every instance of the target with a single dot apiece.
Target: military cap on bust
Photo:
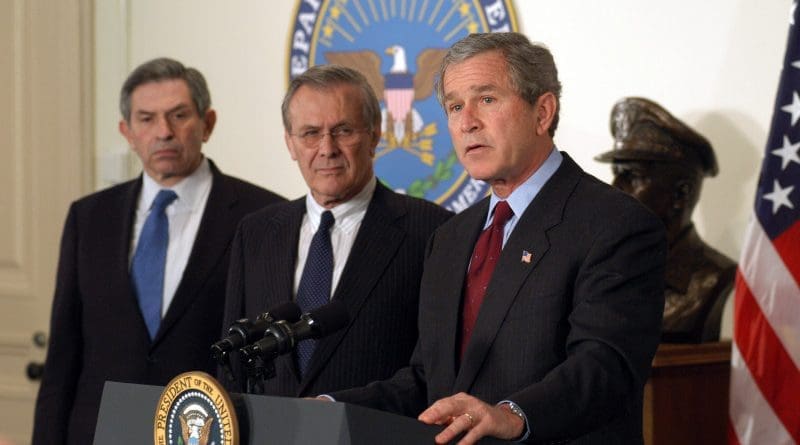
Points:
(644, 131)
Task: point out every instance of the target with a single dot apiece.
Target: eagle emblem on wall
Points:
(402, 126)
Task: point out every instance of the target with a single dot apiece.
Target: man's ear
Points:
(290, 144)
(376, 139)
(125, 131)
(210, 119)
(546, 107)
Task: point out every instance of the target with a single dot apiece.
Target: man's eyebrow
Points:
(179, 107)
(474, 89)
(343, 123)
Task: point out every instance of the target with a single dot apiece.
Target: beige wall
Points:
(714, 63)
(45, 107)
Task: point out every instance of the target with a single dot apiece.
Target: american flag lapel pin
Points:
(526, 256)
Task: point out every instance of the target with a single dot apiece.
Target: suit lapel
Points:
(374, 248)
(279, 253)
(280, 258)
(447, 288)
(125, 214)
(530, 234)
(213, 240)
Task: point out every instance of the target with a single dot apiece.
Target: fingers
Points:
(464, 423)
(461, 413)
(444, 410)
(464, 414)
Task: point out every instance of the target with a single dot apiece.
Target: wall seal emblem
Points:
(398, 45)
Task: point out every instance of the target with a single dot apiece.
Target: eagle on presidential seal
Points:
(195, 425)
(402, 125)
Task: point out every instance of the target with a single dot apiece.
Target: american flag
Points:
(765, 360)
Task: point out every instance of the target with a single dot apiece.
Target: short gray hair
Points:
(161, 69)
(531, 68)
(323, 77)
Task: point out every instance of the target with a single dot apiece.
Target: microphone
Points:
(243, 331)
(282, 337)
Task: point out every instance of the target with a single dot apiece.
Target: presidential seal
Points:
(194, 409)
(398, 45)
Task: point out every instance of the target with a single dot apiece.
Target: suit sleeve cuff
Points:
(526, 430)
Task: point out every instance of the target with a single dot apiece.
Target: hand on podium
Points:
(463, 413)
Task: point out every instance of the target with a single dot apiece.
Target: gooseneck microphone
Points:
(281, 337)
(243, 331)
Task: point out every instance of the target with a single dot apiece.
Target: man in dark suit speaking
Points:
(540, 306)
(141, 275)
(350, 239)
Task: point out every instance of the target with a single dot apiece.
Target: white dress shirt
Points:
(184, 215)
(348, 217)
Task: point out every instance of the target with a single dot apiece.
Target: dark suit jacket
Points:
(379, 286)
(97, 332)
(568, 336)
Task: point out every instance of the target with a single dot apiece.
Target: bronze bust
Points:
(662, 162)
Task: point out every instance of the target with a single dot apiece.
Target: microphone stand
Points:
(260, 367)
(258, 371)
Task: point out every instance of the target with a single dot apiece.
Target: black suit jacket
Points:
(568, 336)
(379, 286)
(97, 332)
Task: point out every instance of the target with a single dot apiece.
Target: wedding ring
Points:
(470, 418)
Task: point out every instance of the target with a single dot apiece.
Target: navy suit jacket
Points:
(568, 336)
(97, 332)
(379, 286)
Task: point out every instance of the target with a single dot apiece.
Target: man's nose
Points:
(469, 120)
(328, 145)
(164, 128)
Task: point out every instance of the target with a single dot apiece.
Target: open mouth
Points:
(473, 147)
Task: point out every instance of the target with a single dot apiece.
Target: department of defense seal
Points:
(194, 409)
(398, 46)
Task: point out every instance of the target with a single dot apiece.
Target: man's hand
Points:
(462, 412)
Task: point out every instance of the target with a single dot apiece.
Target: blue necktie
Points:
(315, 284)
(149, 261)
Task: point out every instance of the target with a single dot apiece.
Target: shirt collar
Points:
(522, 196)
(189, 189)
(347, 214)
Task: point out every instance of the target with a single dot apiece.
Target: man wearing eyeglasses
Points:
(373, 242)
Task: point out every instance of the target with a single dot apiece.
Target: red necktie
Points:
(484, 258)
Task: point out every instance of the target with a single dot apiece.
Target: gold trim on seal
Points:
(208, 388)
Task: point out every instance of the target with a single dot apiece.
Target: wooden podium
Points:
(686, 398)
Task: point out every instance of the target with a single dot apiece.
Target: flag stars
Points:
(788, 152)
(779, 197)
(793, 108)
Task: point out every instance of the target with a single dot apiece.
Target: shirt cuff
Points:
(327, 397)
(526, 431)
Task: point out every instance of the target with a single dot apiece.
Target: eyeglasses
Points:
(343, 134)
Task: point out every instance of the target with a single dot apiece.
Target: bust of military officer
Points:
(662, 162)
